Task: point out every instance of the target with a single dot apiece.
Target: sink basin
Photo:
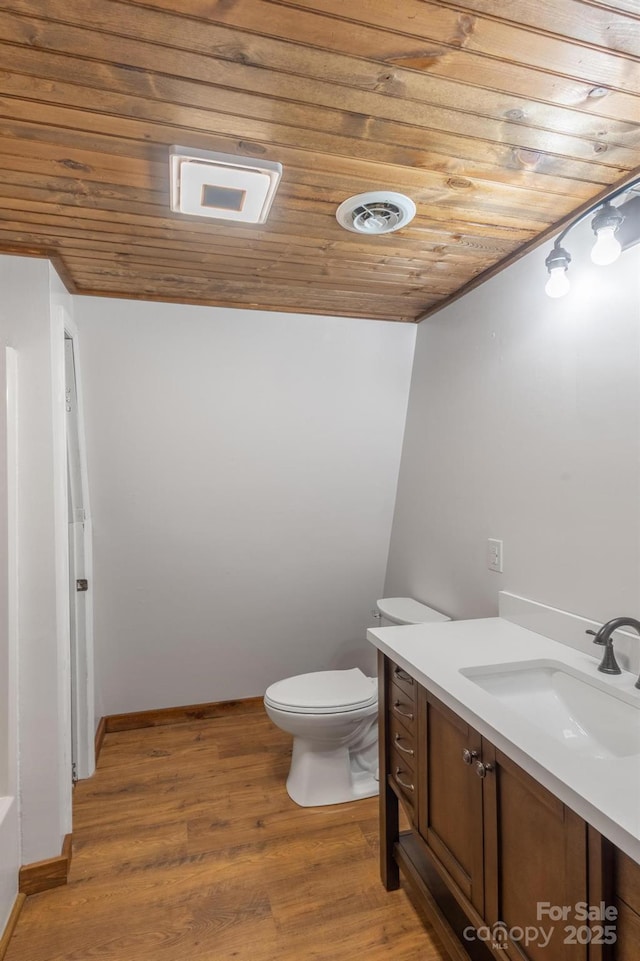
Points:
(581, 712)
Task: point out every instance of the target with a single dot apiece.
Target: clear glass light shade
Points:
(606, 248)
(558, 282)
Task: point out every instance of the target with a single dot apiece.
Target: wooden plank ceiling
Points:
(498, 117)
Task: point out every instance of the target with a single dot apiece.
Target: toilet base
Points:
(322, 774)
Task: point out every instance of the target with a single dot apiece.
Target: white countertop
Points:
(603, 791)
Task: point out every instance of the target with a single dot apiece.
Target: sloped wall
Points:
(524, 425)
(242, 470)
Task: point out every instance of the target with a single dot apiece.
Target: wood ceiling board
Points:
(516, 135)
(432, 105)
(306, 228)
(493, 36)
(239, 115)
(489, 75)
(275, 298)
(479, 110)
(450, 24)
(591, 23)
(243, 244)
(364, 40)
(470, 197)
(333, 282)
(75, 150)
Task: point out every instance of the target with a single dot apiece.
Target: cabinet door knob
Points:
(469, 756)
(483, 769)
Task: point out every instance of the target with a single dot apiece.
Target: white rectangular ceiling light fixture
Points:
(222, 186)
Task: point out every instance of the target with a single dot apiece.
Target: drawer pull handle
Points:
(404, 784)
(396, 708)
(405, 750)
(469, 756)
(402, 675)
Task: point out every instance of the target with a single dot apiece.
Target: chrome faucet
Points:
(609, 665)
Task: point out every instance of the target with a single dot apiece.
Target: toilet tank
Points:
(405, 610)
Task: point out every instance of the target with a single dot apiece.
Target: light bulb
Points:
(607, 246)
(558, 282)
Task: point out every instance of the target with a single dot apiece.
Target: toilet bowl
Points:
(333, 719)
(332, 716)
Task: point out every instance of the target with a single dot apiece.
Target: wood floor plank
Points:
(188, 848)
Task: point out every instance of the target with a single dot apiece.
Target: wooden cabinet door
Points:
(624, 893)
(450, 795)
(535, 854)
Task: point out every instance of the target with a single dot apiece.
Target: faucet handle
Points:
(609, 664)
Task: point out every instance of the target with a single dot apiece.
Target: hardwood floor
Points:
(188, 848)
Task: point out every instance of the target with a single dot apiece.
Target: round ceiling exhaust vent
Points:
(376, 212)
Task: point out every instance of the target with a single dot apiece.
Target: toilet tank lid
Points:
(405, 610)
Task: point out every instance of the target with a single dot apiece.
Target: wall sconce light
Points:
(616, 229)
(557, 264)
(607, 247)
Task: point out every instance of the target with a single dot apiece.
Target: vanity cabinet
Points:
(487, 842)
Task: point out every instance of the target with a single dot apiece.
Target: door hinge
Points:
(82, 584)
(74, 772)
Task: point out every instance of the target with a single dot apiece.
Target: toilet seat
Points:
(323, 692)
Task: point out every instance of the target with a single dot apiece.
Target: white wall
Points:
(524, 425)
(30, 321)
(242, 469)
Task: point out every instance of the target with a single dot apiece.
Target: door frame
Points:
(82, 686)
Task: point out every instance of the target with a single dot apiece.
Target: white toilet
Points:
(333, 717)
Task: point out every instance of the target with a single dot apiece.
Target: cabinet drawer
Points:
(402, 708)
(403, 774)
(404, 681)
(402, 740)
